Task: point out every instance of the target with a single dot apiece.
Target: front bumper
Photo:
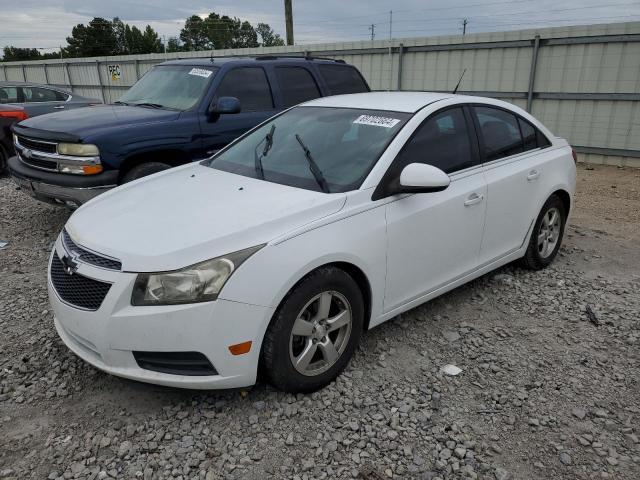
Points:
(59, 188)
(108, 336)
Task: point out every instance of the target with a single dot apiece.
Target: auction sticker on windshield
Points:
(200, 72)
(386, 122)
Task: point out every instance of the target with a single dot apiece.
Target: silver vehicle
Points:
(40, 99)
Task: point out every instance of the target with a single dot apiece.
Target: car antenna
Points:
(456, 89)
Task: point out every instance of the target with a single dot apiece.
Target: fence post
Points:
(137, 66)
(4, 69)
(400, 52)
(532, 72)
(66, 71)
(46, 74)
(104, 100)
(24, 74)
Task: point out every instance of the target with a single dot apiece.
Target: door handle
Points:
(533, 175)
(59, 108)
(473, 199)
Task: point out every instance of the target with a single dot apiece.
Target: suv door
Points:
(251, 86)
(296, 85)
(513, 168)
(434, 238)
(39, 101)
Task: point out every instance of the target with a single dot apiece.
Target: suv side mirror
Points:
(422, 178)
(225, 105)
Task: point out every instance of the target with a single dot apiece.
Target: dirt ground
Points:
(549, 389)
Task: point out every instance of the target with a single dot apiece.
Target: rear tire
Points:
(314, 332)
(143, 170)
(547, 235)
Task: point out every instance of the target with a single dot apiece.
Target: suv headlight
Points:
(201, 282)
(78, 149)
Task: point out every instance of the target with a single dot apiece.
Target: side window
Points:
(250, 86)
(61, 97)
(500, 132)
(38, 95)
(297, 85)
(9, 95)
(342, 79)
(442, 141)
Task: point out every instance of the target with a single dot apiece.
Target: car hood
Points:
(192, 213)
(82, 122)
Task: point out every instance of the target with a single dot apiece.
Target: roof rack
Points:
(305, 57)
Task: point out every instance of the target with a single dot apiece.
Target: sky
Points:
(45, 24)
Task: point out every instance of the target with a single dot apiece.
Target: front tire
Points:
(547, 234)
(314, 332)
(143, 170)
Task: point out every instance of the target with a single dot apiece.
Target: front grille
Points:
(89, 257)
(175, 363)
(37, 145)
(76, 289)
(36, 162)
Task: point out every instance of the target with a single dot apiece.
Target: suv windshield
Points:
(177, 87)
(316, 148)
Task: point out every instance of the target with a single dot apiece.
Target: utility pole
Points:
(372, 29)
(288, 15)
(464, 26)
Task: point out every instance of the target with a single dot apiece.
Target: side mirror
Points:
(225, 105)
(422, 178)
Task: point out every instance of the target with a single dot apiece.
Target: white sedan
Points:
(277, 254)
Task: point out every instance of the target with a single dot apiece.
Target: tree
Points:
(173, 45)
(150, 41)
(194, 35)
(268, 36)
(15, 54)
(98, 38)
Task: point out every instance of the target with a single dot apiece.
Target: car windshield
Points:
(177, 87)
(316, 148)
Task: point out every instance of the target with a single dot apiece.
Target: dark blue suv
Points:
(178, 112)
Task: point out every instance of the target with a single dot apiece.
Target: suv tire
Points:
(143, 170)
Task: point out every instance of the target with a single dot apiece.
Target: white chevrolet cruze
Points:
(277, 254)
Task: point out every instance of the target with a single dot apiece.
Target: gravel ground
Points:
(549, 385)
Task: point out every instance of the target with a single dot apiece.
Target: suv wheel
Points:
(547, 234)
(143, 170)
(315, 332)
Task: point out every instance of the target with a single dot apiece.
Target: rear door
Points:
(251, 86)
(514, 166)
(341, 79)
(39, 100)
(296, 85)
(434, 238)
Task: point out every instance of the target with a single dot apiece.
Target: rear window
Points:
(250, 86)
(342, 79)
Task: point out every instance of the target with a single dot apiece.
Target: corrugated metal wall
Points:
(583, 82)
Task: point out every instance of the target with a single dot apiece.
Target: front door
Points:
(434, 238)
(251, 87)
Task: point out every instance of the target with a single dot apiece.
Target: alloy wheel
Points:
(549, 232)
(320, 333)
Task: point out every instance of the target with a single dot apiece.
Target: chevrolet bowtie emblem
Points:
(69, 265)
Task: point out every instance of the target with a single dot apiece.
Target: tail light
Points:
(19, 115)
(574, 155)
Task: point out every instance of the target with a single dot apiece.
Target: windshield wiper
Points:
(268, 139)
(313, 166)
(152, 105)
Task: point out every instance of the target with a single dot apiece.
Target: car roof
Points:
(409, 102)
(11, 83)
(219, 61)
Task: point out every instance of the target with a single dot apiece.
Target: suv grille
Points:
(37, 145)
(76, 289)
(36, 162)
(87, 256)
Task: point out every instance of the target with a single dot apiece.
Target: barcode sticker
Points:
(200, 72)
(385, 122)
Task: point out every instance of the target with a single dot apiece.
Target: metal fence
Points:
(583, 82)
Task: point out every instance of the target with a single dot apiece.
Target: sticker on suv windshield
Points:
(385, 122)
(200, 72)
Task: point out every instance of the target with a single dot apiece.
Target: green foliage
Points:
(268, 36)
(14, 54)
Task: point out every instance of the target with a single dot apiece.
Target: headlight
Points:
(78, 149)
(201, 282)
